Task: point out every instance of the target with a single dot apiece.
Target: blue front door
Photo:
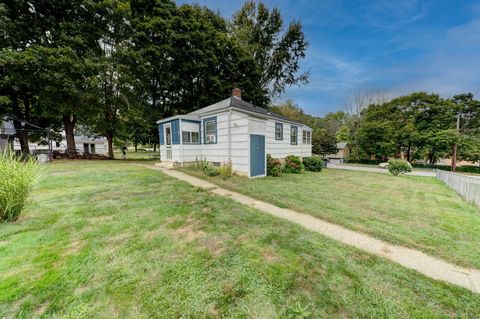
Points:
(257, 155)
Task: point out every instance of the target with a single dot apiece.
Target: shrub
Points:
(468, 169)
(463, 168)
(199, 164)
(210, 170)
(226, 170)
(293, 164)
(397, 166)
(274, 166)
(314, 164)
(17, 178)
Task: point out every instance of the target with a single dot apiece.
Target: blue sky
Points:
(395, 47)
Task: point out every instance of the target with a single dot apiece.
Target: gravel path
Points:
(376, 170)
(410, 258)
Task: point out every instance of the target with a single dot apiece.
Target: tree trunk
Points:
(22, 138)
(135, 147)
(408, 152)
(154, 147)
(20, 132)
(430, 157)
(69, 123)
(109, 137)
(454, 157)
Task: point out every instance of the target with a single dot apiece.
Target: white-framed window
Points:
(190, 137)
(307, 137)
(278, 131)
(293, 135)
(210, 129)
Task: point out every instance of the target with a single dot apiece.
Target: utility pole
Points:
(455, 146)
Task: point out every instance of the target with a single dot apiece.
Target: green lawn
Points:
(415, 169)
(114, 240)
(418, 212)
(140, 155)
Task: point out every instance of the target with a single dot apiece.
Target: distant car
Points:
(383, 165)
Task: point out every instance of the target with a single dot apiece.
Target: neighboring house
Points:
(232, 131)
(7, 131)
(343, 151)
(83, 145)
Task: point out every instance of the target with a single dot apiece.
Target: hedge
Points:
(362, 161)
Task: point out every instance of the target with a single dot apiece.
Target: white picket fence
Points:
(467, 186)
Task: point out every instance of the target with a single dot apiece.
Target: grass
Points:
(418, 212)
(115, 240)
(414, 169)
(140, 155)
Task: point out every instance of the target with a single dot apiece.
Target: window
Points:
(210, 129)
(57, 144)
(190, 137)
(307, 137)
(279, 131)
(168, 135)
(92, 148)
(85, 148)
(293, 135)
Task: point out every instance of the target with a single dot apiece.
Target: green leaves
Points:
(277, 53)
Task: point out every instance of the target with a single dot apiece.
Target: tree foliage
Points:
(276, 49)
(417, 126)
(117, 66)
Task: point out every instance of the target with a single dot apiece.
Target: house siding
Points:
(241, 126)
(283, 148)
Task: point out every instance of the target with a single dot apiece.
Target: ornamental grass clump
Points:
(17, 177)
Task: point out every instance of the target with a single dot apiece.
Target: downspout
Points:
(229, 137)
(180, 138)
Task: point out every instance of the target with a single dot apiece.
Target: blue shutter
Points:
(175, 132)
(160, 134)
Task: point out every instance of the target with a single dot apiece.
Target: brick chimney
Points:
(237, 93)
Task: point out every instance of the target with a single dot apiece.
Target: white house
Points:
(7, 131)
(343, 151)
(83, 145)
(232, 131)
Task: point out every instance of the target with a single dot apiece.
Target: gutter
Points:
(230, 110)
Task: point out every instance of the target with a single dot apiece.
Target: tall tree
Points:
(186, 60)
(467, 111)
(113, 86)
(276, 48)
(60, 35)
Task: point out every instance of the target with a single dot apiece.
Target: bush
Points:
(210, 170)
(397, 166)
(293, 164)
(314, 164)
(274, 166)
(468, 169)
(226, 170)
(463, 168)
(17, 178)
